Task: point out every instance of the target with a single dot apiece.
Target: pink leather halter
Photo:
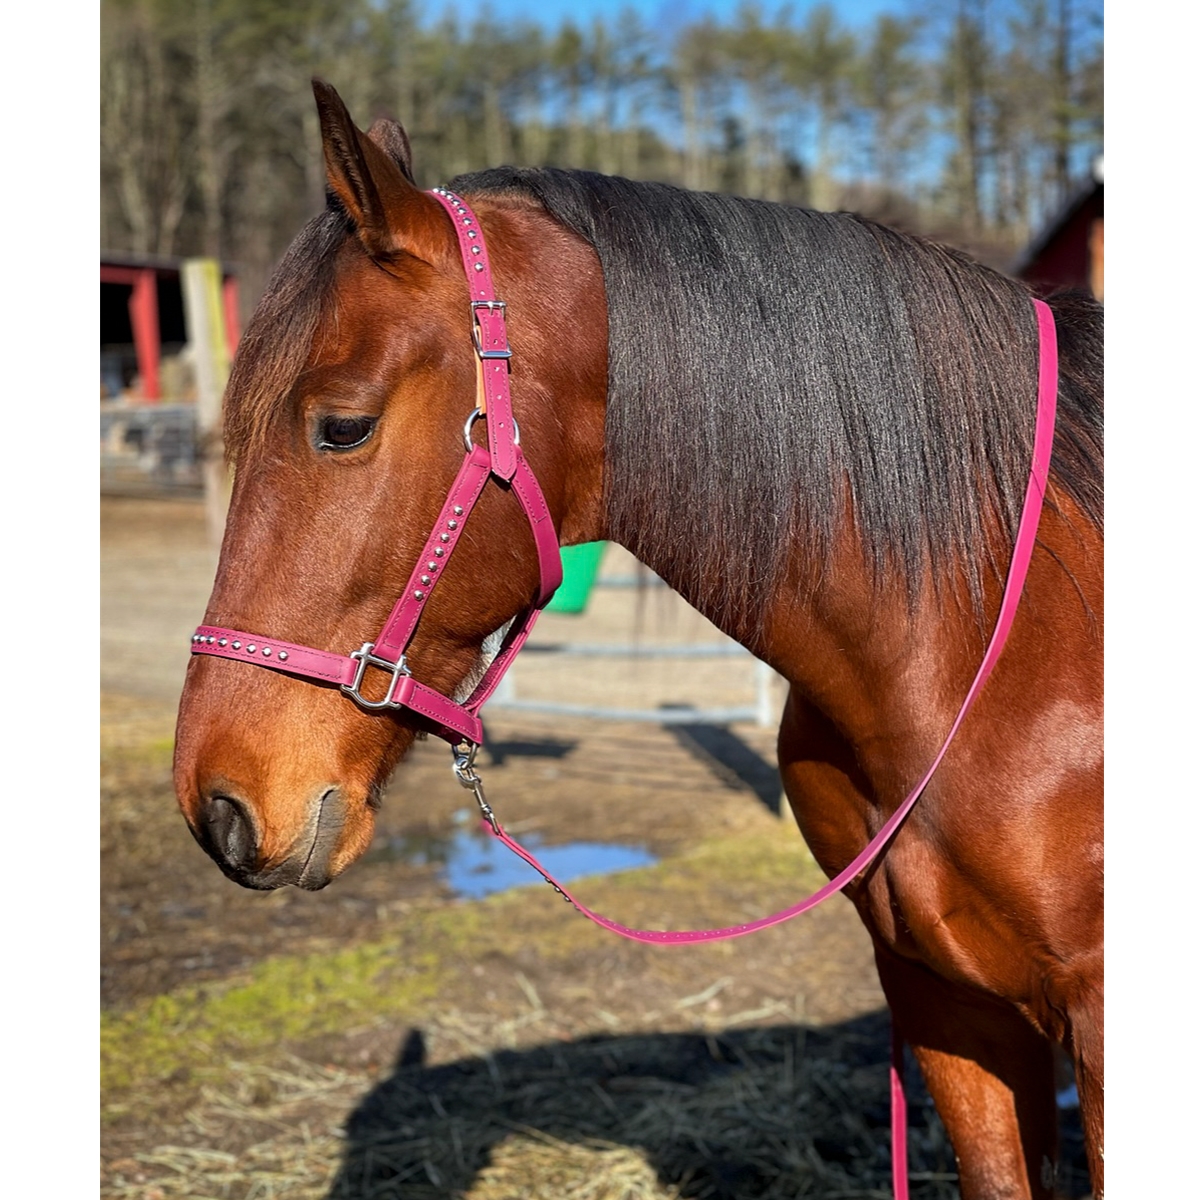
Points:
(503, 460)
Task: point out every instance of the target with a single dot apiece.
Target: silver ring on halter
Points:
(470, 445)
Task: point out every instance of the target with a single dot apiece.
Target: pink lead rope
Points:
(1022, 552)
(459, 723)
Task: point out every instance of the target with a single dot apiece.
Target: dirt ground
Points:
(551, 1059)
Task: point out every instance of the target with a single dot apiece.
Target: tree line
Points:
(970, 120)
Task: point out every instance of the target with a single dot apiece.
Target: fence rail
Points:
(761, 712)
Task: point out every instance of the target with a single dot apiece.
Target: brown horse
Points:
(818, 431)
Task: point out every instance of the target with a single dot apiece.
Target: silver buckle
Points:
(491, 306)
(366, 659)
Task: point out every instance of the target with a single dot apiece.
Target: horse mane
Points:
(775, 372)
(278, 337)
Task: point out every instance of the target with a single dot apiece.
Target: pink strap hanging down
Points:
(1022, 553)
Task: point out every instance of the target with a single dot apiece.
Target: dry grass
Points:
(378, 1041)
(536, 1166)
(751, 1113)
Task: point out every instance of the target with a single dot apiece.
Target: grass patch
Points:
(183, 1036)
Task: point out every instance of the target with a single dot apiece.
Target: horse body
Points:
(986, 909)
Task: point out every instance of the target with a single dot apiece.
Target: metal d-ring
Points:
(470, 445)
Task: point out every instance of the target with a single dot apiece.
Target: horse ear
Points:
(371, 174)
(390, 137)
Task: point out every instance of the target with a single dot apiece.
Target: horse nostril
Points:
(229, 832)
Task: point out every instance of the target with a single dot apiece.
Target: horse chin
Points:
(320, 869)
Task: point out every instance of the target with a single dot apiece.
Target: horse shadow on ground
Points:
(734, 763)
(743, 1114)
(737, 765)
(500, 750)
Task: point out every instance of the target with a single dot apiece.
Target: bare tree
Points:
(210, 143)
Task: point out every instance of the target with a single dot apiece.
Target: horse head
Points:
(344, 420)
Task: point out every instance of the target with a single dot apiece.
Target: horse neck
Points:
(882, 667)
(887, 673)
(877, 661)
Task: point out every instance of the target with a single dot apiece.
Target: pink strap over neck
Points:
(1022, 554)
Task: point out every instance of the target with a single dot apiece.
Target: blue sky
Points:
(660, 14)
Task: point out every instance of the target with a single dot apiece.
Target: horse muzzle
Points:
(228, 827)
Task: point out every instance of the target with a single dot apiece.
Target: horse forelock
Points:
(279, 336)
(776, 372)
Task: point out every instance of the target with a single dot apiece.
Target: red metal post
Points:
(229, 300)
(143, 316)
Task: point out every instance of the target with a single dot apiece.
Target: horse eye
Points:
(344, 433)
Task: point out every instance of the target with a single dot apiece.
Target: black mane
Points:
(775, 370)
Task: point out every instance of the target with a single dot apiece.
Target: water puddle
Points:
(473, 864)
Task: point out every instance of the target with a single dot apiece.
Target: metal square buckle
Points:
(491, 306)
(366, 659)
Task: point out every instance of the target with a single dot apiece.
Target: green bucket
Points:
(580, 565)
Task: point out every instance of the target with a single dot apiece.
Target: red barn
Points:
(142, 318)
(1069, 252)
